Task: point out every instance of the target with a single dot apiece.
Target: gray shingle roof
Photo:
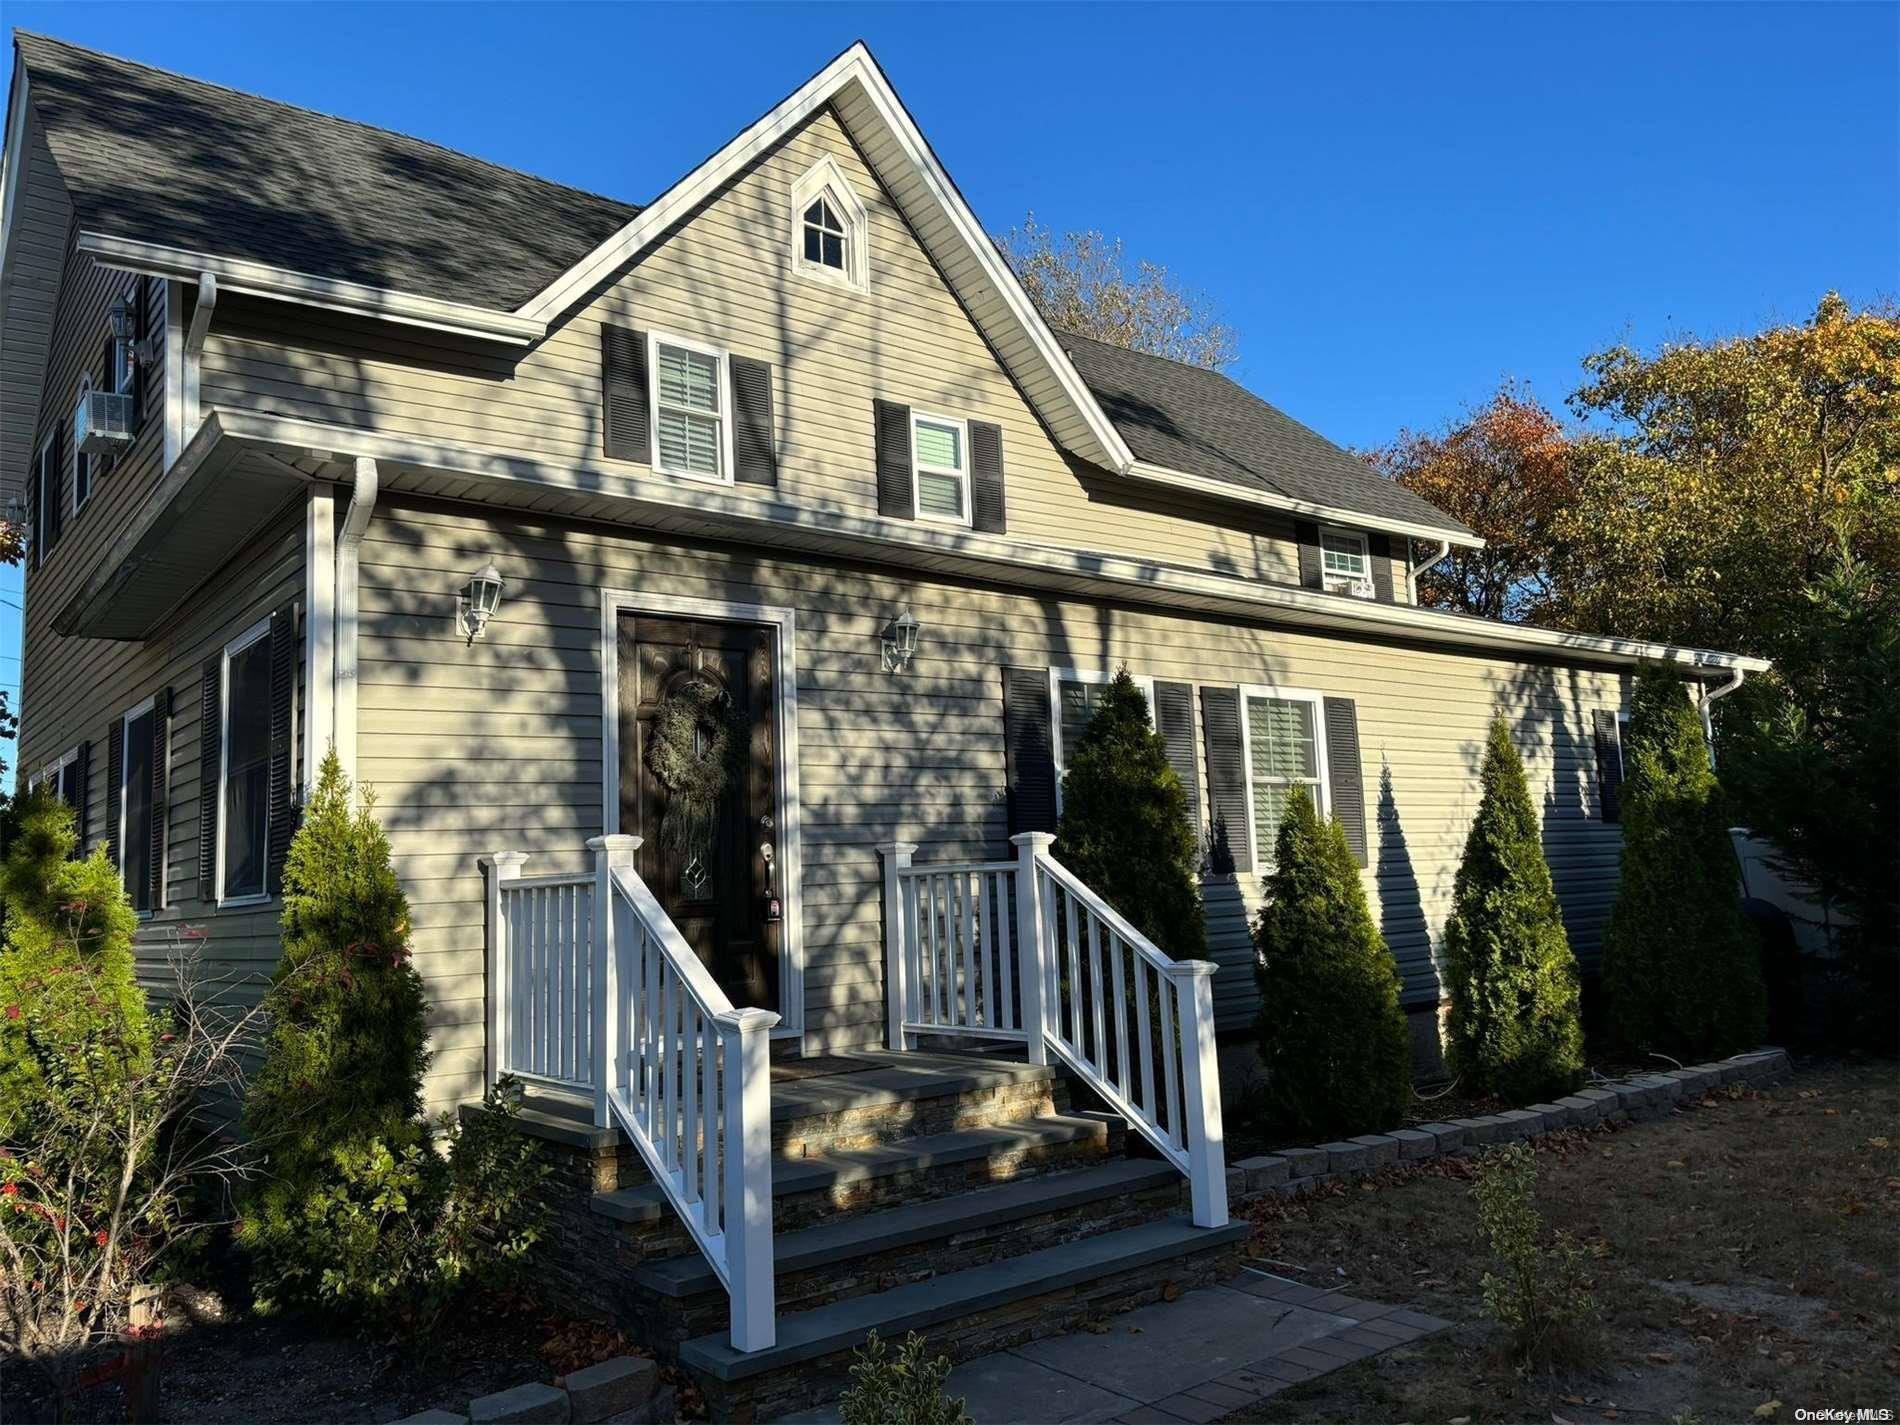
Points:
(156, 157)
(1198, 421)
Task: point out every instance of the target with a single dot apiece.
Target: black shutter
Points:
(1379, 556)
(115, 790)
(1029, 750)
(36, 535)
(1232, 834)
(1311, 574)
(1347, 782)
(987, 505)
(754, 460)
(896, 492)
(55, 485)
(626, 434)
(82, 787)
(210, 752)
(1609, 743)
(161, 785)
(283, 681)
(1174, 720)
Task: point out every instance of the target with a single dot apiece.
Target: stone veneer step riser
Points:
(812, 1135)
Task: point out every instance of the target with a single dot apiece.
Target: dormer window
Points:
(1345, 563)
(828, 228)
(825, 236)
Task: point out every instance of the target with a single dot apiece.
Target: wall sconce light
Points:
(900, 642)
(120, 319)
(477, 602)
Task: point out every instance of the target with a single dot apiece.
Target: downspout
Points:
(349, 538)
(1735, 676)
(194, 348)
(1412, 571)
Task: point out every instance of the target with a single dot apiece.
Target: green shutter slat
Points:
(1231, 840)
(210, 752)
(280, 822)
(1174, 720)
(161, 724)
(1311, 573)
(754, 460)
(82, 788)
(1345, 776)
(896, 492)
(115, 791)
(625, 429)
(1609, 751)
(1028, 750)
(1379, 556)
(988, 508)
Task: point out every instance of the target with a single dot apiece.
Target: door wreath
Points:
(698, 749)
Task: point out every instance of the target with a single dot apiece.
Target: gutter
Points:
(1735, 677)
(1412, 571)
(1328, 514)
(349, 540)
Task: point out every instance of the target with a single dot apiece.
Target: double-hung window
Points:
(1074, 695)
(691, 395)
(45, 489)
(62, 776)
(1280, 733)
(244, 801)
(940, 458)
(82, 462)
(1344, 563)
(138, 755)
(825, 236)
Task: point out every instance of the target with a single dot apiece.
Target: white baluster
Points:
(1200, 1084)
(1098, 992)
(1144, 1031)
(504, 868)
(690, 1051)
(1034, 957)
(897, 953)
(746, 1044)
(1117, 952)
(1005, 971)
(611, 853)
(1168, 1055)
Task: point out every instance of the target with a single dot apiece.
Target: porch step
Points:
(905, 1095)
(857, 1236)
(964, 1298)
(844, 1175)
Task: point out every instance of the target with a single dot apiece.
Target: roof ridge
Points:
(19, 33)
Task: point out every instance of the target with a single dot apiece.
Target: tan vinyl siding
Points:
(497, 745)
(724, 278)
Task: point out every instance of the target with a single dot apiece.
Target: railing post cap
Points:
(1033, 838)
(747, 1021)
(1192, 969)
(618, 843)
(504, 860)
(897, 848)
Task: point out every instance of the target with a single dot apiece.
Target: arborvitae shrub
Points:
(345, 1054)
(1335, 1042)
(1681, 967)
(1125, 829)
(1514, 1027)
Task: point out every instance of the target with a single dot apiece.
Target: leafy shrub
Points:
(1125, 829)
(1681, 967)
(1334, 1040)
(1542, 1296)
(907, 1390)
(1514, 1027)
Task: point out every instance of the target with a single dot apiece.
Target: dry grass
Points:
(1745, 1253)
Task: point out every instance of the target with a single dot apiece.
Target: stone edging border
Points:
(1288, 1172)
(623, 1391)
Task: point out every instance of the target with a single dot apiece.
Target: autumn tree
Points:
(1725, 475)
(1085, 283)
(1504, 470)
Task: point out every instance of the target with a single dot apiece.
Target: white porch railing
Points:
(671, 1062)
(540, 974)
(1023, 950)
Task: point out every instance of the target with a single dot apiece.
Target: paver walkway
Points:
(1195, 1359)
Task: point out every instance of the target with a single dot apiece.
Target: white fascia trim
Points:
(1332, 514)
(12, 161)
(256, 279)
(854, 66)
(902, 540)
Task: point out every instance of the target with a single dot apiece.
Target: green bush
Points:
(1125, 829)
(345, 1054)
(907, 1390)
(1514, 1027)
(1542, 1297)
(1334, 1040)
(1681, 967)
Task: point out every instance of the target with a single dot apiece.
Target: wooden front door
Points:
(720, 881)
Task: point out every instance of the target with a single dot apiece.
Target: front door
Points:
(685, 684)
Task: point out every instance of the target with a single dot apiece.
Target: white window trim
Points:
(126, 719)
(656, 340)
(917, 469)
(1368, 589)
(1290, 695)
(50, 772)
(255, 633)
(827, 179)
(80, 500)
(1622, 736)
(1059, 676)
(43, 476)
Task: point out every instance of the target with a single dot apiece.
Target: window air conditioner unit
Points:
(102, 422)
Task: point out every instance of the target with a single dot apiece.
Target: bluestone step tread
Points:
(897, 1083)
(843, 1325)
(795, 1175)
(864, 1234)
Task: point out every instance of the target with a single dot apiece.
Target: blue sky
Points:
(1395, 205)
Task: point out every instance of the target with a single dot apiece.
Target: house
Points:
(327, 436)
